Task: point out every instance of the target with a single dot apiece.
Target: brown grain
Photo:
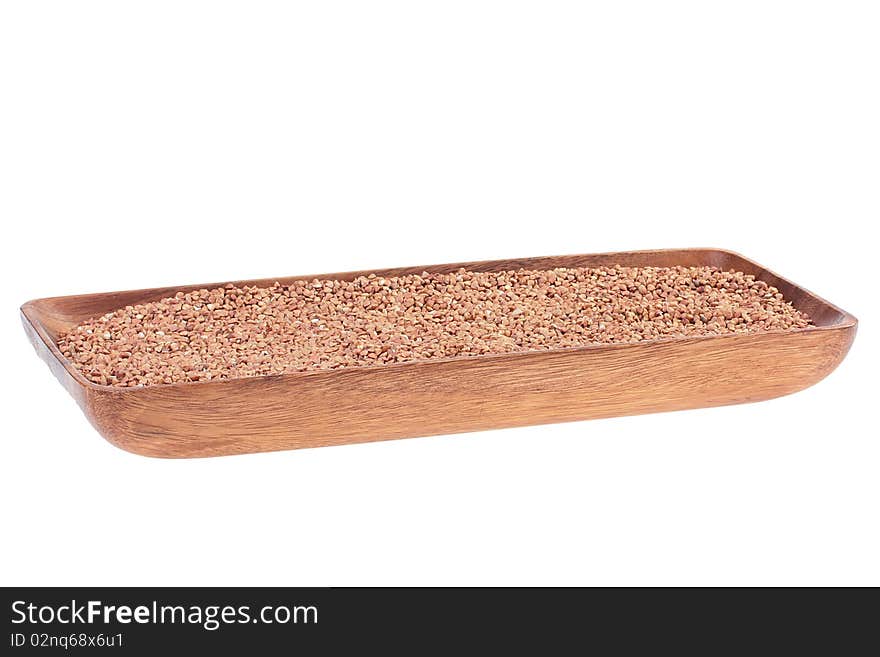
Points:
(234, 332)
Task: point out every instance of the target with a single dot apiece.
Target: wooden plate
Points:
(311, 409)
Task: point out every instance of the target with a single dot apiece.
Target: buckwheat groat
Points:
(326, 324)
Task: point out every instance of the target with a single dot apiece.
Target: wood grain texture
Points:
(311, 409)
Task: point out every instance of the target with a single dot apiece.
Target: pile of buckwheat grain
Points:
(327, 324)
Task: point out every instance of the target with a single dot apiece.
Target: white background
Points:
(162, 143)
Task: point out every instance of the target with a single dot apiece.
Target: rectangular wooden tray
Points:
(311, 409)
